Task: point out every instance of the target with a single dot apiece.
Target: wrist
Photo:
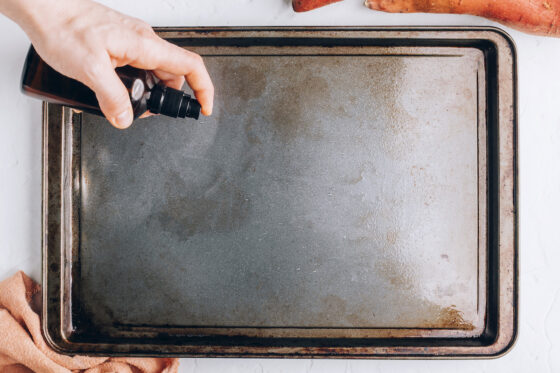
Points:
(19, 11)
(33, 16)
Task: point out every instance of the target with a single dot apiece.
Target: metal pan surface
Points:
(353, 195)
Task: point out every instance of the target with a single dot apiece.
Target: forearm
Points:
(23, 12)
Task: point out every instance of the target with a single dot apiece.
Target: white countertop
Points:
(538, 344)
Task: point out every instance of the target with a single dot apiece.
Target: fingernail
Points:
(124, 119)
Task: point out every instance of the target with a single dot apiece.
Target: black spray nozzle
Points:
(172, 102)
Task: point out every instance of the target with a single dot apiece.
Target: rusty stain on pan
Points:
(354, 195)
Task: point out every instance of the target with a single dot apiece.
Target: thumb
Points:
(111, 93)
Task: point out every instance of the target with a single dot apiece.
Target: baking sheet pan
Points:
(353, 194)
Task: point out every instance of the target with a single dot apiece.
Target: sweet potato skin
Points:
(306, 5)
(540, 17)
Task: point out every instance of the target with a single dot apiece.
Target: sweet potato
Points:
(305, 5)
(533, 16)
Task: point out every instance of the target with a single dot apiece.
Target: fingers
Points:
(147, 114)
(111, 93)
(154, 53)
(170, 80)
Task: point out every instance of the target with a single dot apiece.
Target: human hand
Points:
(86, 41)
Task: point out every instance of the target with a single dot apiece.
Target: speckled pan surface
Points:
(353, 194)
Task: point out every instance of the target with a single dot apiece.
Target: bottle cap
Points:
(172, 102)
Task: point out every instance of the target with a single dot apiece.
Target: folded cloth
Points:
(23, 349)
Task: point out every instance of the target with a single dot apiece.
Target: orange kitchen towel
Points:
(23, 349)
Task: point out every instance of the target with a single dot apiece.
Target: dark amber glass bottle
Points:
(145, 90)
